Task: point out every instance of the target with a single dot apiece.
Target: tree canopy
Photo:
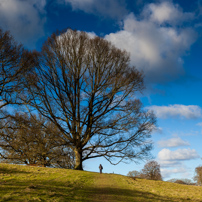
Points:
(152, 171)
(87, 88)
(198, 175)
(33, 140)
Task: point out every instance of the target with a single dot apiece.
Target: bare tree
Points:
(63, 157)
(32, 140)
(87, 88)
(134, 174)
(14, 62)
(152, 171)
(198, 175)
(182, 181)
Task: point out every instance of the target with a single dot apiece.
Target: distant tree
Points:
(134, 173)
(87, 88)
(151, 171)
(198, 175)
(14, 63)
(172, 180)
(187, 181)
(33, 140)
(180, 182)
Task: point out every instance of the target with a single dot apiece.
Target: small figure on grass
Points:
(100, 167)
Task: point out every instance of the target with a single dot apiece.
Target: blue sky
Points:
(164, 39)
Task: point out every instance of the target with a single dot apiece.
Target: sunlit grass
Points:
(24, 183)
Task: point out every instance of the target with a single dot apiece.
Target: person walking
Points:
(100, 167)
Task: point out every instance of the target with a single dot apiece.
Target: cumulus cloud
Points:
(91, 34)
(178, 155)
(183, 111)
(173, 142)
(155, 47)
(165, 164)
(114, 8)
(166, 173)
(25, 19)
(173, 162)
(166, 12)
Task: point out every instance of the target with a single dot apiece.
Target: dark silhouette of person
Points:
(100, 167)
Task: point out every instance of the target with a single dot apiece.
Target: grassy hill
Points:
(24, 183)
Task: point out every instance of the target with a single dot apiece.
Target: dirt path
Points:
(101, 183)
(106, 188)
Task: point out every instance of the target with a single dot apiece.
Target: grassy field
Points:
(24, 183)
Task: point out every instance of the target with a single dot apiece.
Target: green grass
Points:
(26, 183)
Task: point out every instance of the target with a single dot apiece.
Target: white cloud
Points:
(183, 111)
(158, 130)
(24, 19)
(80, 4)
(155, 48)
(166, 12)
(178, 155)
(91, 34)
(199, 124)
(165, 164)
(173, 142)
(166, 173)
(113, 8)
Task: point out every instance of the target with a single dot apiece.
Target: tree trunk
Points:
(78, 161)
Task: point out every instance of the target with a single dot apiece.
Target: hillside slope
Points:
(24, 183)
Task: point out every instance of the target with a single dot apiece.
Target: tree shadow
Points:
(5, 170)
(123, 195)
(82, 194)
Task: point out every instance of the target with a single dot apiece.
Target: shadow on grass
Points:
(82, 194)
(11, 170)
(123, 195)
(38, 192)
